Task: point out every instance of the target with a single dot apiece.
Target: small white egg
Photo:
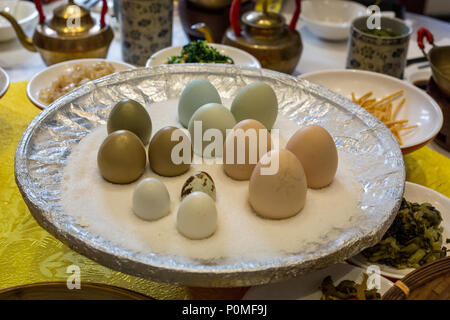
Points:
(151, 200)
(197, 216)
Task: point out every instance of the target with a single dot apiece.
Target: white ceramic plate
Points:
(25, 13)
(330, 19)
(44, 78)
(419, 109)
(240, 57)
(415, 193)
(307, 287)
(4, 82)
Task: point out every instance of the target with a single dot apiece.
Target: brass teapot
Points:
(266, 36)
(71, 34)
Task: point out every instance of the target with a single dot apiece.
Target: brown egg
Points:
(315, 149)
(121, 157)
(246, 146)
(160, 152)
(277, 187)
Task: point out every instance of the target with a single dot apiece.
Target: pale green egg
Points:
(210, 116)
(256, 101)
(196, 94)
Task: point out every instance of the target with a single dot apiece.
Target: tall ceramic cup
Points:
(146, 27)
(383, 54)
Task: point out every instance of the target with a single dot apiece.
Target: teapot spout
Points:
(26, 41)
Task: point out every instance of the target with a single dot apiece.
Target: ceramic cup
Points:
(376, 53)
(146, 27)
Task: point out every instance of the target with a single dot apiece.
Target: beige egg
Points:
(239, 164)
(315, 149)
(277, 187)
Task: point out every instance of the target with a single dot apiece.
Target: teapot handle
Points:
(234, 17)
(38, 5)
(103, 13)
(295, 16)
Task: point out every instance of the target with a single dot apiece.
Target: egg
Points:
(196, 94)
(315, 149)
(121, 157)
(197, 216)
(130, 115)
(211, 116)
(277, 187)
(160, 152)
(246, 148)
(151, 199)
(201, 182)
(256, 101)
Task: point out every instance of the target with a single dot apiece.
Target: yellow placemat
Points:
(30, 254)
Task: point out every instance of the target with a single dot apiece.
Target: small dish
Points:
(240, 57)
(329, 19)
(4, 82)
(59, 291)
(419, 109)
(414, 193)
(25, 13)
(419, 72)
(44, 78)
(307, 287)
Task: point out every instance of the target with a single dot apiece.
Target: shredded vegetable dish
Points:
(79, 75)
(385, 110)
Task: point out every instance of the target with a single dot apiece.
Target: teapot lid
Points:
(71, 20)
(263, 20)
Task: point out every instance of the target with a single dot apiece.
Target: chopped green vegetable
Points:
(415, 238)
(199, 52)
(381, 32)
(348, 290)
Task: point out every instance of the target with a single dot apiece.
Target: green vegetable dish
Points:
(348, 290)
(199, 52)
(415, 238)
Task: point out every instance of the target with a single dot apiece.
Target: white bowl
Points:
(307, 287)
(331, 19)
(414, 193)
(44, 78)
(4, 82)
(26, 16)
(240, 57)
(419, 109)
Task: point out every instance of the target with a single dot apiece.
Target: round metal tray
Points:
(47, 142)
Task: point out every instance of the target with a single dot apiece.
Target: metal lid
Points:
(263, 20)
(71, 20)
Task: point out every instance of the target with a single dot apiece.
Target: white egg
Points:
(197, 216)
(151, 199)
(197, 93)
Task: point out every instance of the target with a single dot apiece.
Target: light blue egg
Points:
(211, 116)
(256, 101)
(197, 93)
